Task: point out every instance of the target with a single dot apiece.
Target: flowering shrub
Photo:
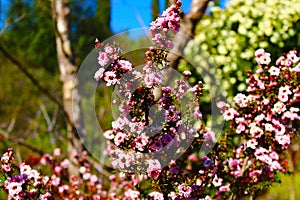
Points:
(22, 182)
(229, 38)
(154, 146)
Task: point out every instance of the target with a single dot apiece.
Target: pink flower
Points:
(125, 109)
(110, 78)
(283, 93)
(259, 118)
(103, 59)
(269, 127)
(56, 152)
(283, 140)
(93, 178)
(86, 176)
(141, 142)
(210, 135)
(55, 180)
(152, 79)
(290, 115)
(132, 194)
(99, 74)
(154, 168)
(259, 52)
(262, 58)
(241, 100)
(187, 73)
(256, 132)
(6, 167)
(292, 56)
(57, 169)
(275, 166)
(222, 105)
(108, 49)
(172, 115)
(295, 69)
(156, 196)
(184, 190)
(119, 138)
(229, 114)
(64, 164)
(282, 62)
(125, 65)
(283, 97)
(63, 188)
(45, 196)
(120, 123)
(225, 188)
(274, 155)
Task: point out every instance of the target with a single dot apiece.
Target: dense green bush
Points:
(229, 38)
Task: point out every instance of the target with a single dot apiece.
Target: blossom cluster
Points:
(147, 123)
(112, 66)
(21, 181)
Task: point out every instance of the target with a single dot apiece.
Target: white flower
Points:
(109, 134)
(229, 114)
(252, 143)
(217, 181)
(25, 169)
(274, 71)
(156, 196)
(99, 74)
(14, 188)
(269, 127)
(279, 107)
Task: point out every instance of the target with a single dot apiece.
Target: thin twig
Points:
(36, 83)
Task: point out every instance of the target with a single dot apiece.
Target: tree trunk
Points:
(71, 99)
(187, 30)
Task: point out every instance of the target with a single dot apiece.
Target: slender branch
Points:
(6, 25)
(21, 142)
(35, 82)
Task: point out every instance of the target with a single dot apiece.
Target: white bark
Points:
(71, 99)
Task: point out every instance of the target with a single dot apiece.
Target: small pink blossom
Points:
(262, 58)
(156, 196)
(110, 78)
(99, 74)
(103, 59)
(256, 132)
(56, 152)
(119, 138)
(184, 190)
(229, 114)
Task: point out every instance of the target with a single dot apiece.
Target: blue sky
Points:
(128, 14)
(125, 14)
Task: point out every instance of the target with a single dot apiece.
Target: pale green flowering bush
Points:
(229, 38)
